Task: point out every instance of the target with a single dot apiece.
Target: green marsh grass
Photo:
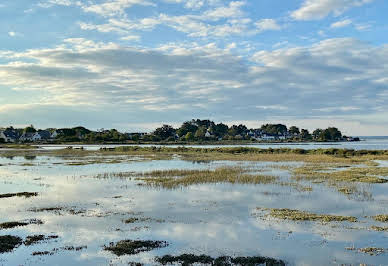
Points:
(181, 178)
(296, 215)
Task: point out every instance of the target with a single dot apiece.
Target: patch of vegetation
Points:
(9, 225)
(131, 247)
(373, 251)
(381, 218)
(296, 215)
(9, 243)
(141, 220)
(380, 229)
(31, 240)
(56, 250)
(331, 173)
(59, 210)
(179, 178)
(21, 194)
(189, 259)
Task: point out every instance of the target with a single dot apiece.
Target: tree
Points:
(294, 130)
(274, 129)
(219, 130)
(331, 134)
(203, 123)
(186, 128)
(305, 134)
(317, 133)
(200, 133)
(29, 129)
(189, 136)
(164, 132)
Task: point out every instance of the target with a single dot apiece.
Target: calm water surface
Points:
(367, 143)
(211, 219)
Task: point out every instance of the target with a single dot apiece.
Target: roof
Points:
(27, 135)
(44, 134)
(10, 134)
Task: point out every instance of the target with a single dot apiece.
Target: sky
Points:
(137, 64)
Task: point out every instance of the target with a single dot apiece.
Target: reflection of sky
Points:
(369, 143)
(211, 219)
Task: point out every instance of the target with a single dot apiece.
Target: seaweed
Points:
(189, 259)
(131, 247)
(9, 243)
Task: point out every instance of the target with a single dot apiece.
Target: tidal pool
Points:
(82, 213)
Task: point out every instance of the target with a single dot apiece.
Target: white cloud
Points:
(341, 23)
(335, 77)
(318, 9)
(114, 7)
(135, 38)
(267, 24)
(215, 22)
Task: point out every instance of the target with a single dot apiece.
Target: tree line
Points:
(192, 131)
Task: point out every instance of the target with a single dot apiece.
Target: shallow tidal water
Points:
(211, 219)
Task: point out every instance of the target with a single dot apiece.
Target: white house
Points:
(41, 135)
(9, 135)
(27, 137)
(267, 137)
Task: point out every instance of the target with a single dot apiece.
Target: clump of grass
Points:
(179, 178)
(296, 215)
(379, 229)
(373, 251)
(381, 218)
(9, 225)
(122, 175)
(31, 240)
(136, 220)
(9, 243)
(141, 220)
(189, 259)
(20, 194)
(370, 174)
(56, 250)
(132, 247)
(59, 210)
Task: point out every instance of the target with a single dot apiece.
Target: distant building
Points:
(41, 135)
(9, 135)
(27, 137)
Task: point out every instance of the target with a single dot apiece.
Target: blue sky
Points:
(135, 64)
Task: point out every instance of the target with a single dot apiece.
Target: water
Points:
(211, 219)
(367, 143)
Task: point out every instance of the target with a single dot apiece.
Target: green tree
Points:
(165, 132)
(305, 134)
(331, 134)
(274, 129)
(189, 136)
(200, 133)
(317, 133)
(220, 130)
(186, 128)
(29, 129)
(294, 130)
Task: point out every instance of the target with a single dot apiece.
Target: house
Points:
(41, 135)
(209, 135)
(27, 137)
(267, 137)
(9, 135)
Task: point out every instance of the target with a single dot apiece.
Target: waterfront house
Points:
(9, 135)
(41, 135)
